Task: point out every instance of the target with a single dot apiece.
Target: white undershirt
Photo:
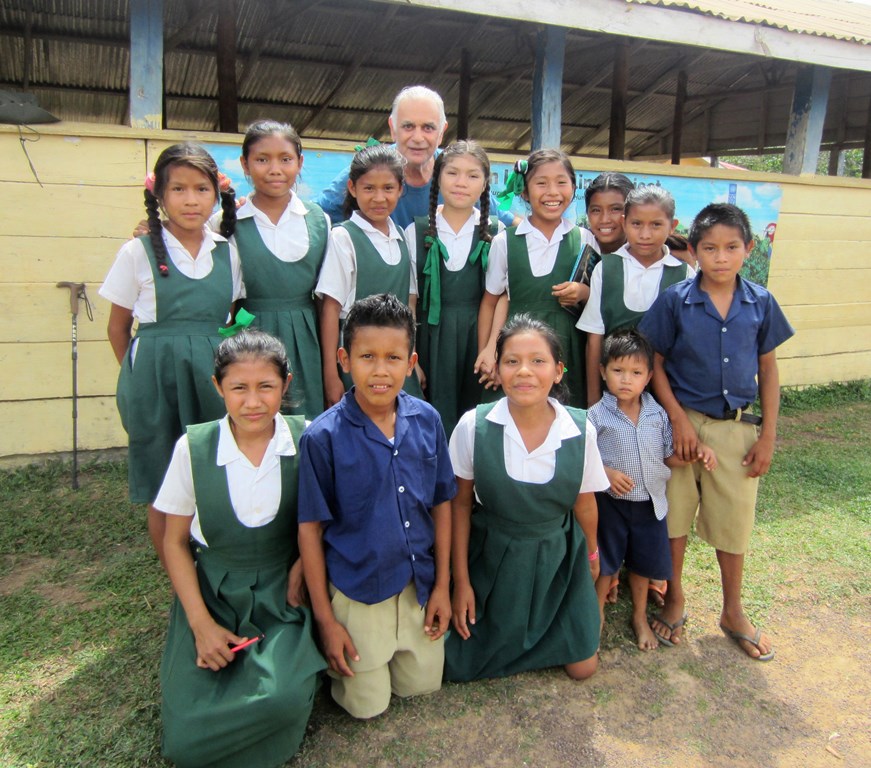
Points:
(288, 239)
(537, 466)
(542, 254)
(130, 282)
(338, 277)
(255, 492)
(457, 244)
(640, 287)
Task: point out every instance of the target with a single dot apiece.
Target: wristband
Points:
(594, 556)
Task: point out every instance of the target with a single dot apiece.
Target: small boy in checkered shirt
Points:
(635, 440)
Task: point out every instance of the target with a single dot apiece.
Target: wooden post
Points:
(465, 94)
(547, 88)
(805, 130)
(619, 89)
(836, 161)
(680, 98)
(146, 63)
(866, 155)
(228, 105)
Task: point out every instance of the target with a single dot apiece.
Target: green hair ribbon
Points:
(370, 142)
(514, 185)
(243, 319)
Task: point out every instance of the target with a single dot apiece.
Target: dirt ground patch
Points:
(30, 571)
(703, 704)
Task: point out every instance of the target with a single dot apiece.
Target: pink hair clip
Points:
(163, 269)
(149, 182)
(224, 182)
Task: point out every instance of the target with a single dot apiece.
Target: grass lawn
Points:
(84, 610)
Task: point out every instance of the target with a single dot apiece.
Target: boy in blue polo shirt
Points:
(375, 487)
(715, 336)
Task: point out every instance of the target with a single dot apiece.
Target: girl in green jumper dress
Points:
(281, 243)
(524, 555)
(179, 282)
(449, 250)
(535, 263)
(232, 488)
(366, 255)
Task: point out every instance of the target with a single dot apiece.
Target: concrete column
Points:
(146, 63)
(808, 114)
(547, 88)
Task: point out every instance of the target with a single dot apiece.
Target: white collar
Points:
(281, 443)
(469, 225)
(525, 227)
(295, 206)
(563, 427)
(393, 232)
(208, 244)
(667, 259)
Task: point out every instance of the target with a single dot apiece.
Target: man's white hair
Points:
(418, 92)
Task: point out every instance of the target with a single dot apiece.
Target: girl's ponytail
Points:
(228, 208)
(484, 223)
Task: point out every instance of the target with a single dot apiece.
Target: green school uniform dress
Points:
(169, 383)
(447, 328)
(528, 293)
(616, 316)
(279, 295)
(374, 276)
(252, 713)
(535, 604)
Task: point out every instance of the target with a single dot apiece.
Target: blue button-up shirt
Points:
(638, 450)
(374, 496)
(712, 363)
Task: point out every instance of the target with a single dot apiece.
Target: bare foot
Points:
(644, 634)
(611, 597)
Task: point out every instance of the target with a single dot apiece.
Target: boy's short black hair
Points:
(382, 310)
(720, 213)
(627, 343)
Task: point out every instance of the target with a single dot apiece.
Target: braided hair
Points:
(193, 156)
(459, 149)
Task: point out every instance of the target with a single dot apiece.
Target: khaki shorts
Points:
(396, 656)
(725, 498)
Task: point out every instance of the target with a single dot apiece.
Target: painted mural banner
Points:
(760, 200)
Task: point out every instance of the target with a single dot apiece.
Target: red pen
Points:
(241, 646)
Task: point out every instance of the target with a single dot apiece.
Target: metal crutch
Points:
(77, 293)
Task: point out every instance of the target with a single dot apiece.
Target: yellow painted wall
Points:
(91, 196)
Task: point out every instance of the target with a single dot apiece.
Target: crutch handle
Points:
(75, 292)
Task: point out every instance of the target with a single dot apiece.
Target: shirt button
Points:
(412, 557)
(402, 489)
(724, 330)
(396, 453)
(725, 359)
(725, 391)
(407, 524)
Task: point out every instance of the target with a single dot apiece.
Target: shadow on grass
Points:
(106, 714)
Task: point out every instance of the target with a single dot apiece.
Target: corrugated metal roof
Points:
(295, 62)
(838, 19)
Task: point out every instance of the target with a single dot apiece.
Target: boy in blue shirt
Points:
(375, 485)
(715, 336)
(635, 440)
